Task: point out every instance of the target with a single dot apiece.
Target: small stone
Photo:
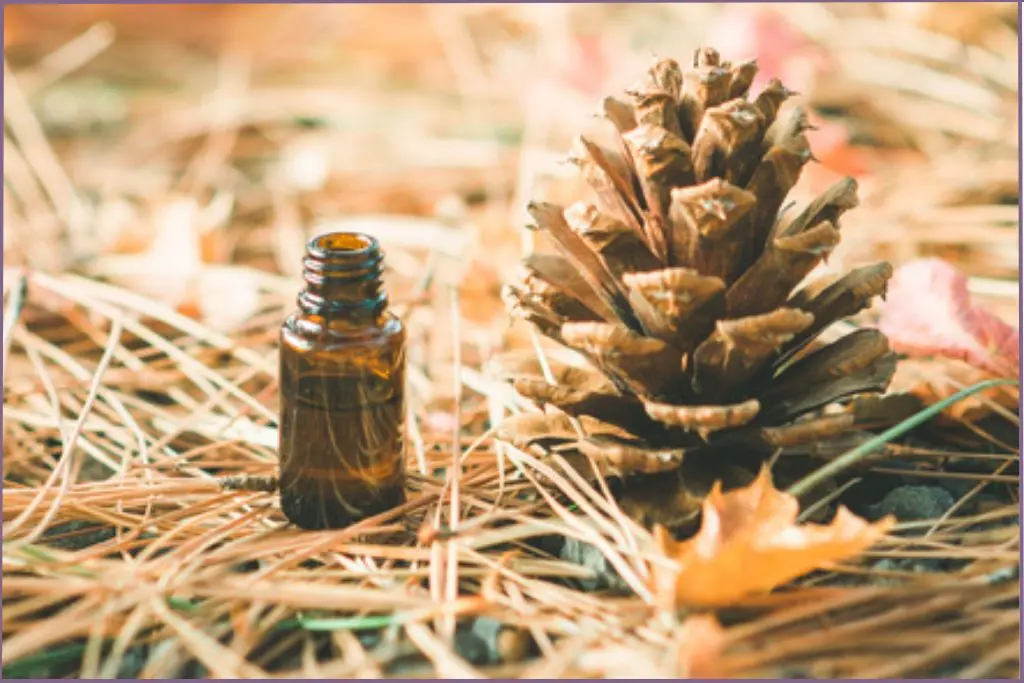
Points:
(504, 643)
(590, 557)
(133, 662)
(916, 565)
(472, 648)
(194, 669)
(908, 503)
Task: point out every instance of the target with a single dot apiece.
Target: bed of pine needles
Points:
(139, 539)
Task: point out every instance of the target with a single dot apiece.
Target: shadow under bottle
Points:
(342, 379)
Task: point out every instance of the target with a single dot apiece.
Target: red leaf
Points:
(928, 311)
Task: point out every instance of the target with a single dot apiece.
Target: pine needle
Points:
(854, 456)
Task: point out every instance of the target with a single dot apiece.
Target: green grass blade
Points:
(852, 457)
(42, 662)
(367, 623)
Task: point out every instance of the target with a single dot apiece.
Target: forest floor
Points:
(164, 168)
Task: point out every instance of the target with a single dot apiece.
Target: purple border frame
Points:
(1020, 211)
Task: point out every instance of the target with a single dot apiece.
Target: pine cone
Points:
(677, 284)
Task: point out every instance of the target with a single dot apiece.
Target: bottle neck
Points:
(342, 272)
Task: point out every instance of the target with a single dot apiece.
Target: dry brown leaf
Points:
(931, 380)
(749, 542)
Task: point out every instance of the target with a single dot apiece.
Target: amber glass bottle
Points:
(342, 380)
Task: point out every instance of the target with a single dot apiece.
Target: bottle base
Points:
(308, 507)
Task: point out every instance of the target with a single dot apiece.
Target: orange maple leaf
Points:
(698, 644)
(749, 543)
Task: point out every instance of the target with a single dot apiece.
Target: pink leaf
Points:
(587, 66)
(928, 311)
(743, 31)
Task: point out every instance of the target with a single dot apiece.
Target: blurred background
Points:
(185, 154)
(182, 151)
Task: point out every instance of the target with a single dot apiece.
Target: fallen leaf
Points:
(225, 297)
(587, 64)
(698, 643)
(179, 263)
(165, 269)
(928, 311)
(749, 31)
(693, 651)
(749, 543)
(117, 226)
(830, 141)
(931, 380)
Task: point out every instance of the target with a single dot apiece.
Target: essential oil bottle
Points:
(342, 389)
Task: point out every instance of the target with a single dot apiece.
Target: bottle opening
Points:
(343, 254)
(342, 271)
(342, 243)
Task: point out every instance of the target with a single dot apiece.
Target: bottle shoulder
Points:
(307, 332)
